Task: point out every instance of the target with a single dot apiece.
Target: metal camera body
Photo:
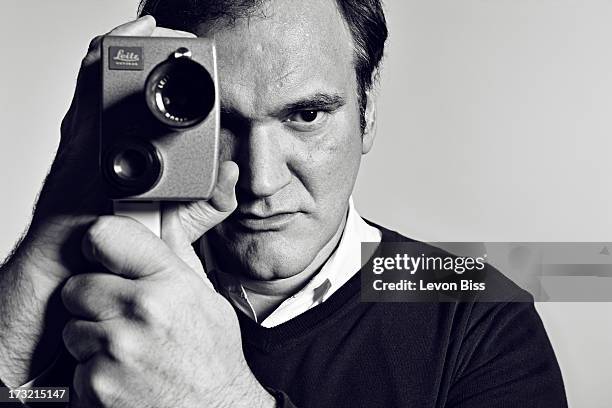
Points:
(159, 135)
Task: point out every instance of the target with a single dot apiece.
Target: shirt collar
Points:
(344, 262)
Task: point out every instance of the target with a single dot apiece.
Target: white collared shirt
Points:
(344, 262)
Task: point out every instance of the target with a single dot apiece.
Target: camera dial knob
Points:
(182, 52)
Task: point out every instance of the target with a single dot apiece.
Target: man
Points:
(273, 317)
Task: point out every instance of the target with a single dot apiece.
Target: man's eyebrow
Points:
(318, 101)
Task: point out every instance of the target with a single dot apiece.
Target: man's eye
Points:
(306, 116)
(307, 119)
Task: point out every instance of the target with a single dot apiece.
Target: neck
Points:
(266, 296)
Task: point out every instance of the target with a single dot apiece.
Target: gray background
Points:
(494, 125)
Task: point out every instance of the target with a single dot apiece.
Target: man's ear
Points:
(369, 131)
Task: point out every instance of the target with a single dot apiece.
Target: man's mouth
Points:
(258, 221)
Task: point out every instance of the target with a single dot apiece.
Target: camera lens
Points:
(132, 168)
(130, 164)
(180, 92)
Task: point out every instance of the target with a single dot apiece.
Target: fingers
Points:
(196, 218)
(115, 339)
(88, 79)
(174, 235)
(93, 52)
(83, 112)
(95, 383)
(127, 248)
(142, 27)
(145, 26)
(97, 296)
(83, 339)
(166, 32)
(224, 196)
(182, 224)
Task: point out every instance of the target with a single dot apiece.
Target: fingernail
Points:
(186, 33)
(146, 17)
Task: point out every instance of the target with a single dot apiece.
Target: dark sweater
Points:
(347, 353)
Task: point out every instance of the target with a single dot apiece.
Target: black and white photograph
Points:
(306, 204)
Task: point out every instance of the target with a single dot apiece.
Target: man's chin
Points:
(271, 265)
(263, 255)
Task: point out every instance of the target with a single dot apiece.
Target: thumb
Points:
(184, 223)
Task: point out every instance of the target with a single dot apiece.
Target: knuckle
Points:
(118, 345)
(92, 384)
(70, 333)
(144, 307)
(198, 216)
(88, 60)
(92, 50)
(71, 289)
(93, 44)
(66, 291)
(100, 231)
(99, 386)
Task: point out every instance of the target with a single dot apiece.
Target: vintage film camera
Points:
(159, 135)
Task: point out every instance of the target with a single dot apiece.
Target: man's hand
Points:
(31, 315)
(72, 196)
(153, 332)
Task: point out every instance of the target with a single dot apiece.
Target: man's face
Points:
(290, 120)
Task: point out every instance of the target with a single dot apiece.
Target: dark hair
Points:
(365, 19)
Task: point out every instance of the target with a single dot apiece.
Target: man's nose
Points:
(264, 169)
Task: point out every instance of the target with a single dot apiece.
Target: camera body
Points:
(159, 118)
